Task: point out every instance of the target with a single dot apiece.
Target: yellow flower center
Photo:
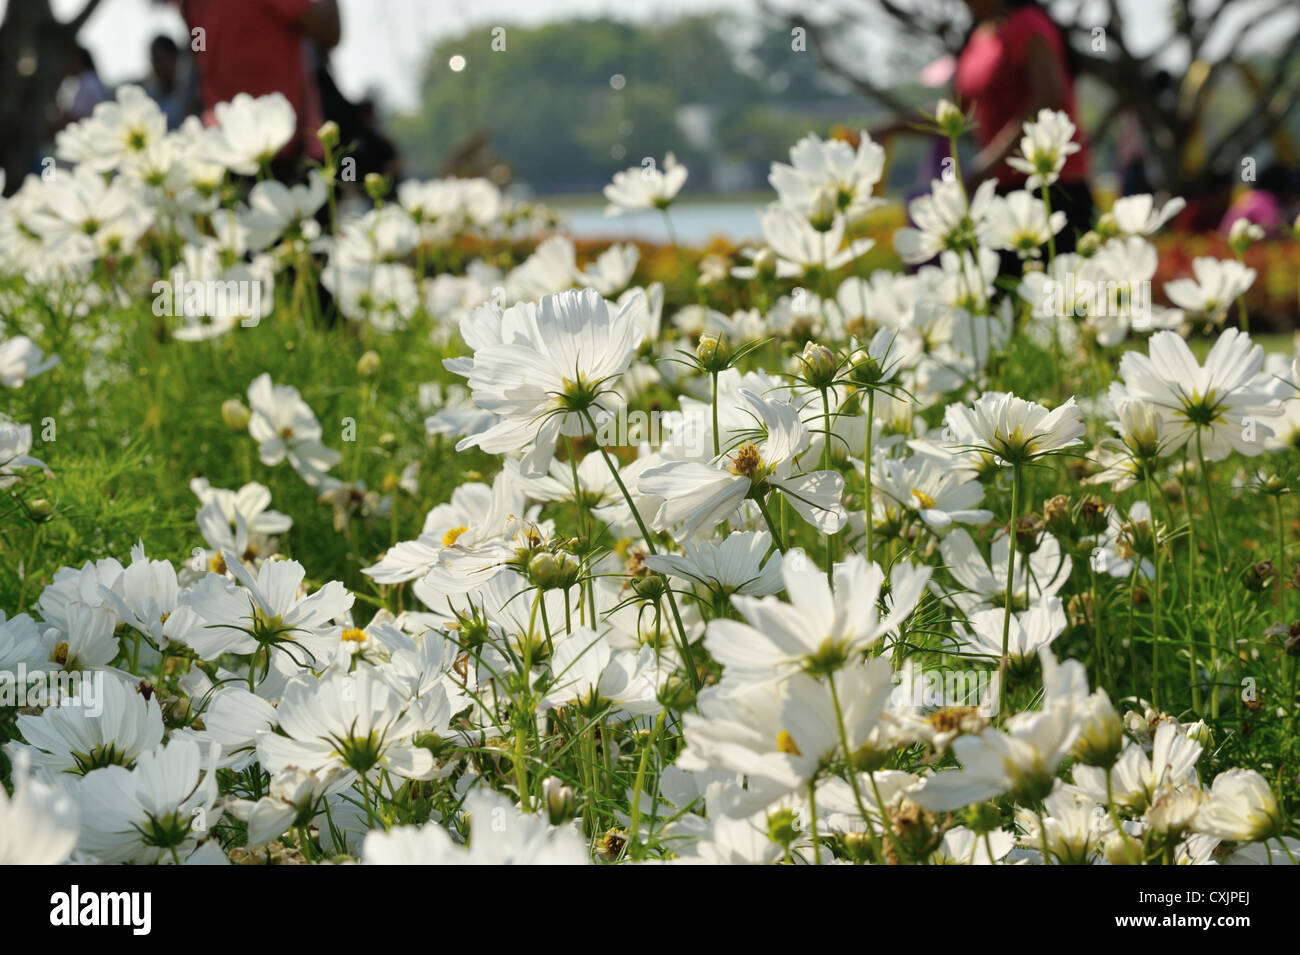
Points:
(217, 564)
(925, 500)
(354, 635)
(748, 462)
(786, 744)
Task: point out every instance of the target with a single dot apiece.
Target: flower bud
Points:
(819, 365)
(235, 414)
(559, 800)
(950, 119)
(1201, 733)
(677, 694)
(40, 510)
(712, 352)
(376, 185)
(1089, 244)
(368, 364)
(328, 134)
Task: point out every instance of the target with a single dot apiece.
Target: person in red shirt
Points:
(1015, 63)
(260, 47)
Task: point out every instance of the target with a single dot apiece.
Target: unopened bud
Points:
(235, 414)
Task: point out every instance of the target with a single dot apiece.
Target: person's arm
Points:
(1046, 91)
(320, 21)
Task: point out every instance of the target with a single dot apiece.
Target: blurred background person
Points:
(1016, 61)
(170, 80)
(81, 89)
(260, 47)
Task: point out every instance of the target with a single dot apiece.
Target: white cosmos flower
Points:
(1218, 283)
(352, 722)
(982, 584)
(22, 359)
(939, 494)
(156, 812)
(1073, 828)
(734, 565)
(1029, 631)
(1137, 215)
(800, 247)
(116, 132)
(295, 799)
(1013, 429)
(84, 215)
(612, 271)
(267, 613)
(1241, 808)
(548, 270)
(15, 442)
(38, 823)
(1020, 223)
(475, 514)
(1210, 404)
(499, 834)
(1138, 775)
(251, 131)
(147, 597)
(645, 187)
(1047, 143)
(556, 362)
(822, 625)
(251, 502)
(943, 220)
(230, 721)
(1021, 758)
(283, 426)
(697, 495)
(591, 675)
(276, 210)
(76, 737)
(830, 174)
(962, 846)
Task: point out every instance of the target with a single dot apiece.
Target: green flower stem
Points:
(683, 645)
(1003, 661)
(866, 461)
(639, 786)
(1218, 559)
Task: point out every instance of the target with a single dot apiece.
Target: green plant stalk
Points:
(684, 645)
(1155, 598)
(826, 465)
(866, 461)
(1218, 558)
(1003, 661)
(639, 786)
(848, 759)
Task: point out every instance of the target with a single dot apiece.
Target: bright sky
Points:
(384, 41)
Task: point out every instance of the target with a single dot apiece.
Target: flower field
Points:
(425, 534)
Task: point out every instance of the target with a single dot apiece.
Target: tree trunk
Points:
(34, 46)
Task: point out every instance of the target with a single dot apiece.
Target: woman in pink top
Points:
(1016, 62)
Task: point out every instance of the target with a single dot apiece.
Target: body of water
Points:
(695, 222)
